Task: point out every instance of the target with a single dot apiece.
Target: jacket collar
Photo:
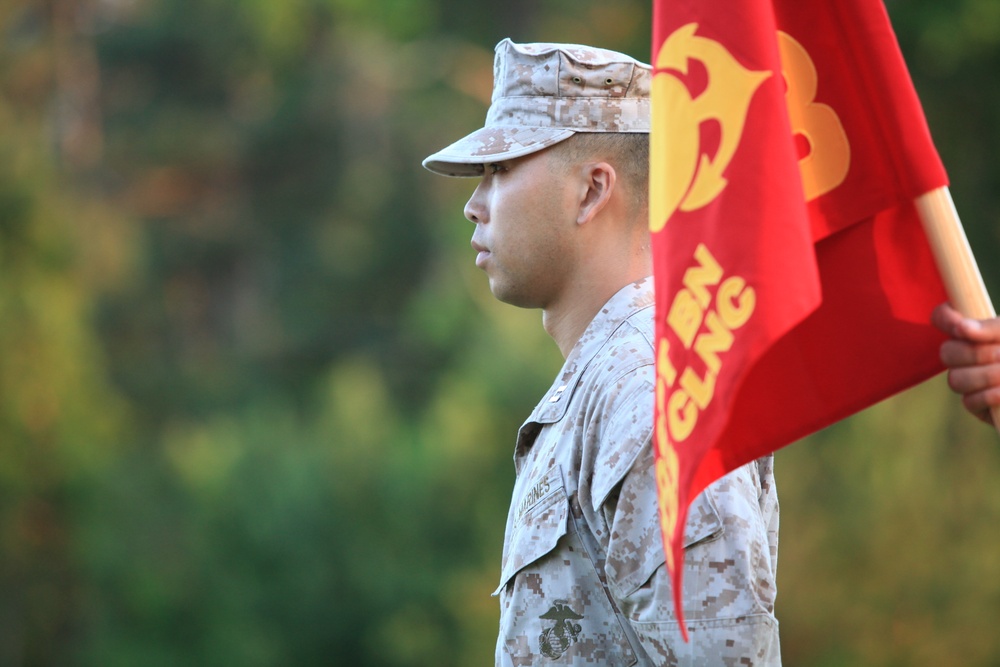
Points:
(626, 302)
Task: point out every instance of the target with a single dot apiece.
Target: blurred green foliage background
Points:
(257, 405)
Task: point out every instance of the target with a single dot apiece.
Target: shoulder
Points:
(628, 351)
(621, 378)
(619, 390)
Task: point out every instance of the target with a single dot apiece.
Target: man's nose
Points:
(475, 208)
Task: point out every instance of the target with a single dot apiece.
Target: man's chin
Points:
(510, 295)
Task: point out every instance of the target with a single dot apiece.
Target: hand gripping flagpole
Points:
(955, 261)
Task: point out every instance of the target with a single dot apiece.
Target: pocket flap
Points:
(629, 568)
(703, 520)
(539, 524)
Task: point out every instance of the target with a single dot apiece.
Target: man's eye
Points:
(495, 167)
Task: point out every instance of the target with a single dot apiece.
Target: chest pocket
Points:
(553, 606)
(538, 525)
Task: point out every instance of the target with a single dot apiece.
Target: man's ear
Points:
(599, 180)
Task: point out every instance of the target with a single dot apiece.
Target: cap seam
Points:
(559, 72)
(631, 80)
(498, 69)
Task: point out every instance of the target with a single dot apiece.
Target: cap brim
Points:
(467, 156)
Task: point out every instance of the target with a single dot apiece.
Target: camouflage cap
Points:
(544, 93)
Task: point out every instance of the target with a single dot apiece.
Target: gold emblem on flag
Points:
(685, 177)
(682, 175)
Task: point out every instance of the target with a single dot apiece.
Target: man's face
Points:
(525, 213)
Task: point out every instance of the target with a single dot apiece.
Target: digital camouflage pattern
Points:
(583, 579)
(542, 94)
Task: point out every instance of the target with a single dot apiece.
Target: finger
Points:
(980, 404)
(951, 322)
(947, 319)
(968, 380)
(957, 353)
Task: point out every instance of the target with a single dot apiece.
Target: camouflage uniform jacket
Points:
(583, 579)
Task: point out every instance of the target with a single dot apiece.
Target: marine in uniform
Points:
(583, 579)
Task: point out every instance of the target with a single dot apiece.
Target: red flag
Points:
(794, 282)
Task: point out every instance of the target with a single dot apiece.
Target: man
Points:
(562, 225)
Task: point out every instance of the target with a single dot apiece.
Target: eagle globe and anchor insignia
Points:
(556, 640)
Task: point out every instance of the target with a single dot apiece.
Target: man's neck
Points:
(609, 266)
(566, 325)
(567, 320)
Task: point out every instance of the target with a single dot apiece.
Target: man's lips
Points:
(482, 255)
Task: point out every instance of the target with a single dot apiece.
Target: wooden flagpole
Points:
(958, 268)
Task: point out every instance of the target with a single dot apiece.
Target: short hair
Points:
(628, 152)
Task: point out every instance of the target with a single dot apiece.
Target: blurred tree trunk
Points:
(53, 87)
(76, 94)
